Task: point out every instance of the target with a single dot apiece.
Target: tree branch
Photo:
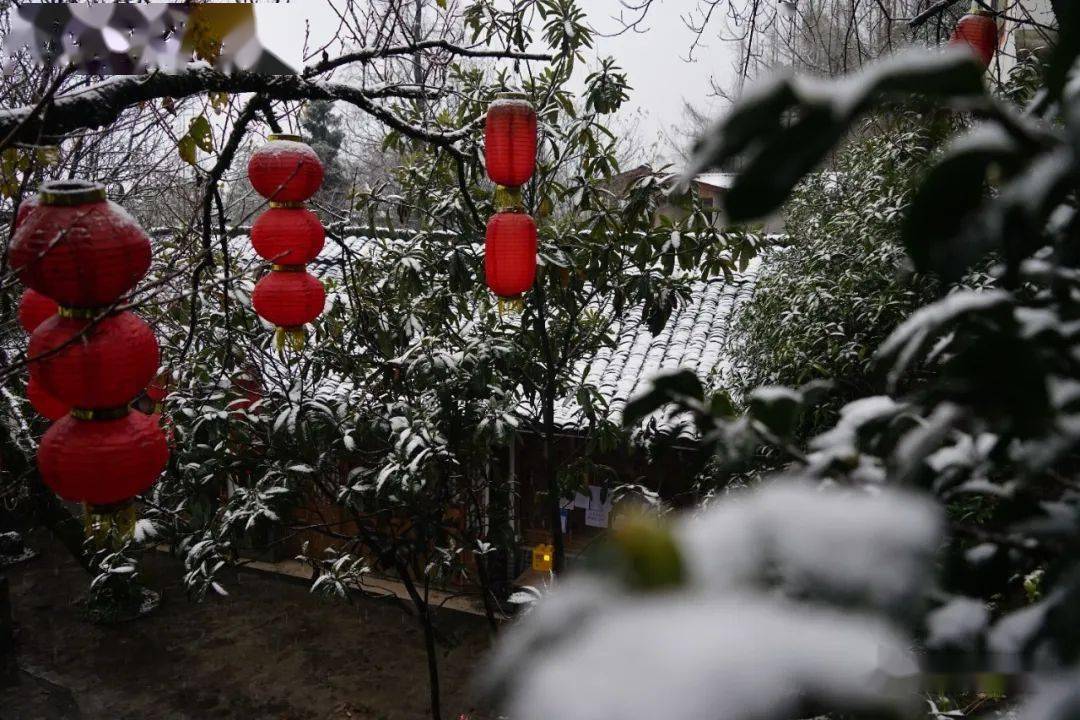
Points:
(363, 56)
(102, 103)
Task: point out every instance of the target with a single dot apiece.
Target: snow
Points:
(716, 179)
(957, 624)
(739, 658)
(727, 644)
(829, 542)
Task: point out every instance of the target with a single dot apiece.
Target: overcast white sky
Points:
(660, 77)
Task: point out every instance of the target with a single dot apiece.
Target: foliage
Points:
(995, 420)
(839, 284)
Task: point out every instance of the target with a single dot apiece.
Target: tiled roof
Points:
(697, 337)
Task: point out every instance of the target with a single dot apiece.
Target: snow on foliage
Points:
(780, 614)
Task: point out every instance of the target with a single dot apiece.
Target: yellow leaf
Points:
(200, 132)
(187, 150)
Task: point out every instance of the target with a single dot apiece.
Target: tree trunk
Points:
(552, 478)
(7, 635)
(433, 665)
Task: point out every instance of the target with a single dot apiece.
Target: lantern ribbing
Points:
(288, 235)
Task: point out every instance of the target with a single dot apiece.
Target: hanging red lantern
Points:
(510, 140)
(979, 31)
(28, 204)
(288, 235)
(288, 297)
(94, 364)
(105, 460)
(285, 169)
(43, 403)
(157, 390)
(79, 249)
(510, 254)
(34, 309)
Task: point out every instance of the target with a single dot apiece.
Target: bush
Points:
(840, 284)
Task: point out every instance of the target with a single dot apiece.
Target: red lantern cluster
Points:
(81, 254)
(979, 31)
(510, 156)
(287, 172)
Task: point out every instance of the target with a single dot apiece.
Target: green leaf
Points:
(679, 386)
(778, 408)
(200, 132)
(953, 190)
(187, 150)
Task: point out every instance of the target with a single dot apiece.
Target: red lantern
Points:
(43, 403)
(510, 140)
(979, 31)
(250, 390)
(25, 207)
(510, 254)
(94, 365)
(288, 236)
(34, 309)
(102, 461)
(157, 391)
(285, 169)
(79, 249)
(289, 298)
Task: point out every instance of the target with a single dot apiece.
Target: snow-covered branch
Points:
(102, 103)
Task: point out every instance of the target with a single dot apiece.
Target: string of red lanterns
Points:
(978, 30)
(84, 253)
(287, 172)
(510, 158)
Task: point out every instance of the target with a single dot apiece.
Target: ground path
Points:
(269, 650)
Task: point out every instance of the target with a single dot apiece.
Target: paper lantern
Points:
(285, 169)
(95, 365)
(158, 389)
(510, 140)
(28, 204)
(44, 404)
(289, 298)
(288, 236)
(979, 31)
(102, 461)
(79, 249)
(510, 254)
(34, 309)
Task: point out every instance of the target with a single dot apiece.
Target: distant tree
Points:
(321, 127)
(840, 283)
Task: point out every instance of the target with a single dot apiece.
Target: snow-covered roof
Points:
(720, 180)
(697, 337)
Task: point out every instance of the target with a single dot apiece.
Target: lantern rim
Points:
(292, 137)
(99, 414)
(70, 192)
(512, 95)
